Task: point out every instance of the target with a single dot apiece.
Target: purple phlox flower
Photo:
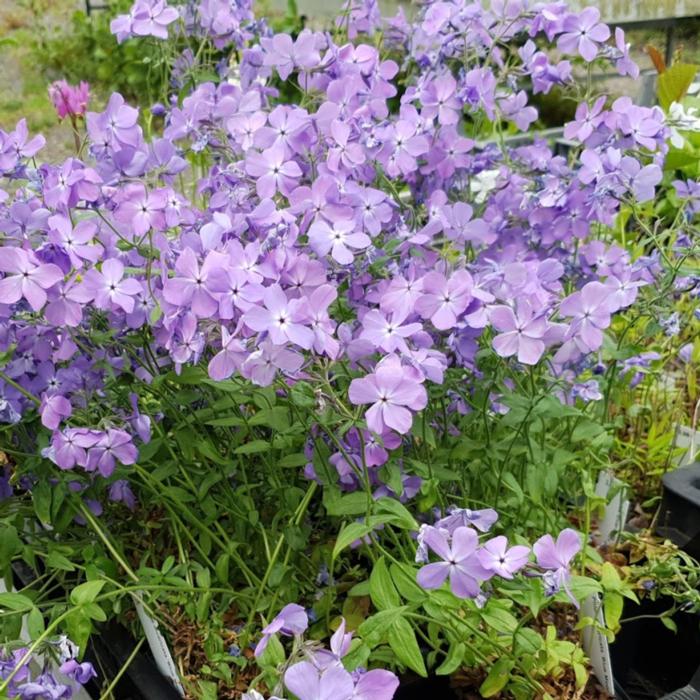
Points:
(140, 209)
(340, 645)
(587, 391)
(70, 447)
(308, 682)
(496, 556)
(54, 409)
(686, 353)
(483, 520)
(443, 300)
(187, 342)
(377, 684)
(623, 288)
(9, 661)
(522, 332)
(117, 125)
(643, 124)
(590, 309)
(139, 422)
(108, 287)
(273, 171)
(582, 33)
(403, 144)
(372, 207)
(439, 99)
(290, 621)
(402, 293)
(388, 332)
(586, 121)
(337, 240)
(344, 154)
(515, 108)
(229, 359)
(460, 562)
(281, 318)
(641, 180)
(115, 445)
(79, 672)
(196, 287)
(43, 687)
(26, 278)
(262, 365)
(321, 323)
(607, 259)
(555, 558)
(17, 145)
(120, 492)
(392, 389)
(286, 55)
(69, 100)
(624, 64)
(152, 18)
(76, 241)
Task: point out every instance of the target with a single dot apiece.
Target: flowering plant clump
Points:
(283, 320)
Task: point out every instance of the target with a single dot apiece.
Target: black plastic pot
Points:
(679, 515)
(651, 661)
(431, 688)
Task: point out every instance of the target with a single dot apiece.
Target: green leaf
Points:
(350, 504)
(298, 459)
(221, 568)
(56, 560)
(276, 417)
(15, 601)
(35, 623)
(402, 640)
(41, 496)
(673, 83)
(226, 422)
(586, 430)
(498, 677)
(381, 589)
(454, 659)
(374, 629)
(86, 592)
(253, 447)
(404, 578)
(612, 606)
(397, 513)
(78, 627)
(609, 577)
(500, 620)
(350, 533)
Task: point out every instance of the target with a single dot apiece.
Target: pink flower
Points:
(69, 100)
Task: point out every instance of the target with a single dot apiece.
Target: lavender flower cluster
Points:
(362, 225)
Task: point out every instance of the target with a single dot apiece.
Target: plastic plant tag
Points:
(596, 645)
(689, 440)
(615, 515)
(159, 647)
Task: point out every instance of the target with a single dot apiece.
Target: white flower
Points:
(481, 184)
(682, 119)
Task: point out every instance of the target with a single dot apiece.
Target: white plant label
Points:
(595, 644)
(159, 647)
(617, 508)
